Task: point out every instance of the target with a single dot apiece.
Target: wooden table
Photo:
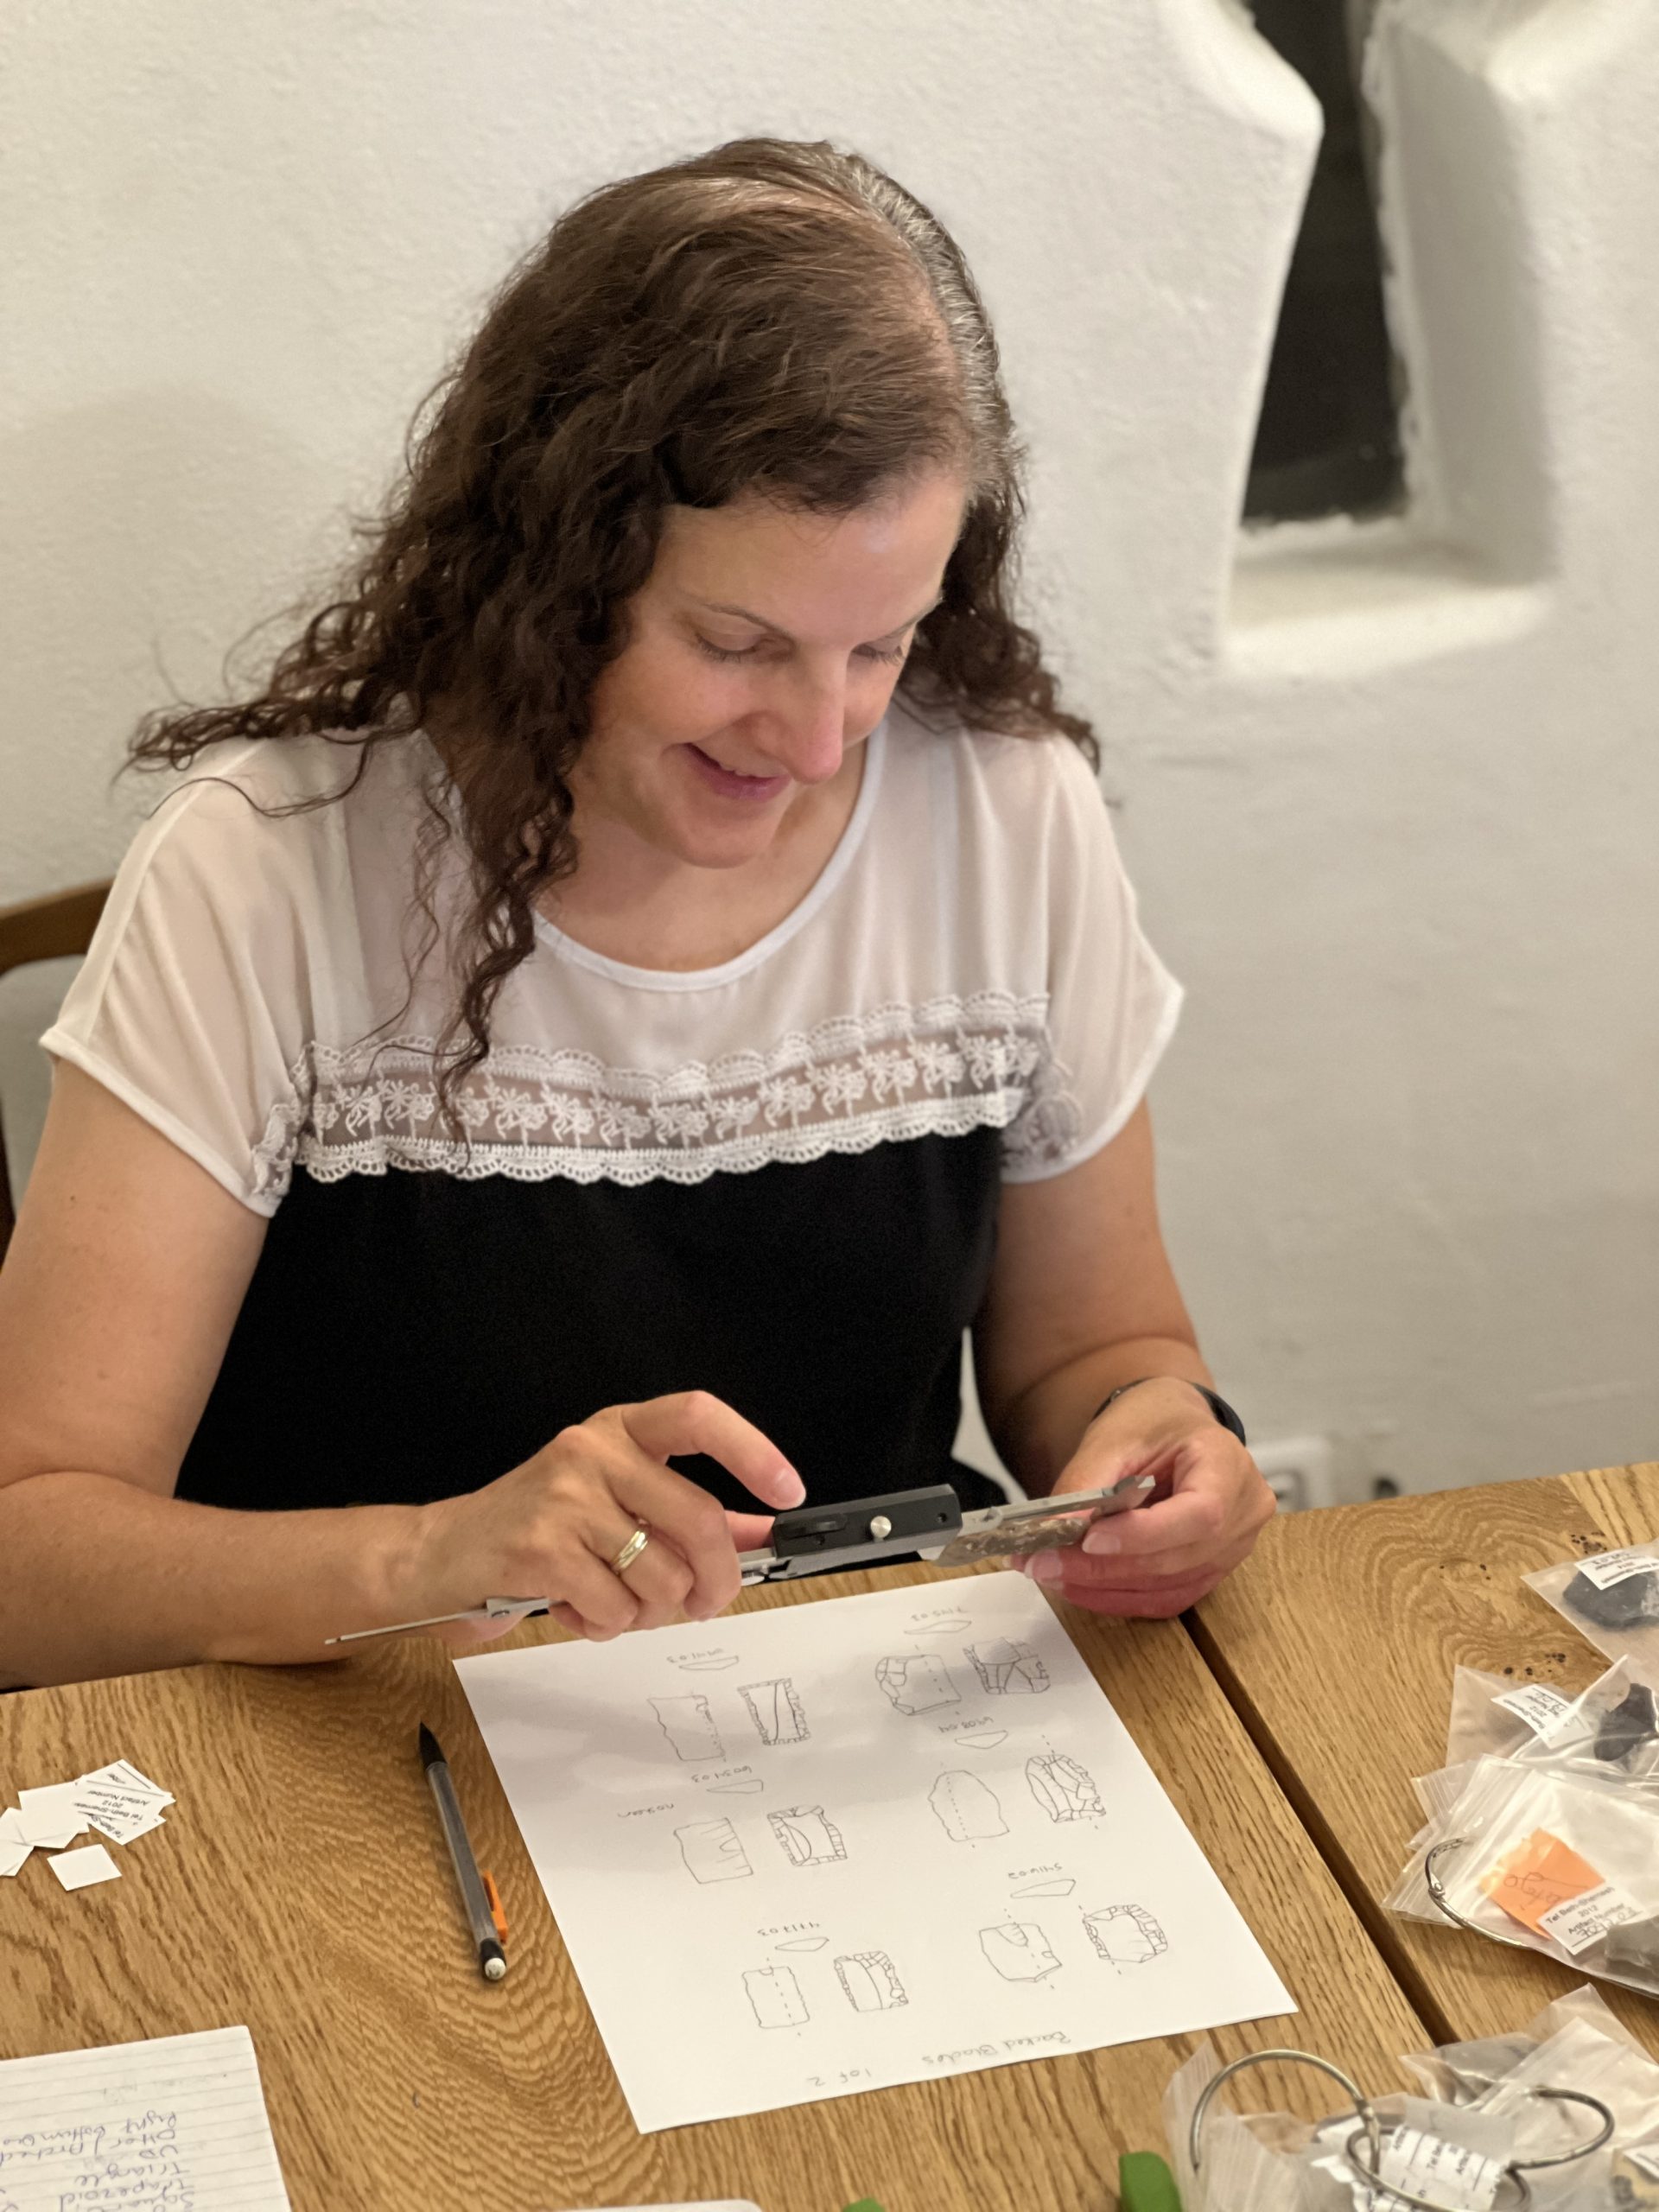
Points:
(1336, 1644)
(301, 1887)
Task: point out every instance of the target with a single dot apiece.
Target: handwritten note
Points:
(177, 2124)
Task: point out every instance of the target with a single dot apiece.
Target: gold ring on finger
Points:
(631, 1551)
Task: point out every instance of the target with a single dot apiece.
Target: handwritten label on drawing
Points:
(715, 1775)
(962, 1728)
(639, 1812)
(1585, 1920)
(1020, 1873)
(1609, 1567)
(791, 1928)
(1054, 2038)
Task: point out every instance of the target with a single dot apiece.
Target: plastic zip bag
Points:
(1607, 1732)
(1496, 1715)
(1611, 1598)
(1571, 2087)
(1556, 1854)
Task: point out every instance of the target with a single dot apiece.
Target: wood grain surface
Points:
(1336, 1642)
(301, 1887)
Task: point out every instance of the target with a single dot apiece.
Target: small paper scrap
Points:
(1608, 1568)
(1542, 1709)
(117, 1800)
(1585, 1920)
(1536, 1876)
(78, 1870)
(1428, 2165)
(47, 1817)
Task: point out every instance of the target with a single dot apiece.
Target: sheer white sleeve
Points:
(194, 1006)
(1112, 1004)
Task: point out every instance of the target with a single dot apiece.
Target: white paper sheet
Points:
(803, 1853)
(151, 2126)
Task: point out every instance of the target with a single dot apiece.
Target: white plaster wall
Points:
(1389, 797)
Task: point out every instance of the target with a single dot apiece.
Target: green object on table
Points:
(1146, 2184)
(865, 2204)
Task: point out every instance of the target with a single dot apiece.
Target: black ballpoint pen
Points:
(491, 1959)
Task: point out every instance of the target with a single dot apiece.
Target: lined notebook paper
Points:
(177, 2124)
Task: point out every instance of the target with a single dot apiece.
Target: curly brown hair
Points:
(769, 317)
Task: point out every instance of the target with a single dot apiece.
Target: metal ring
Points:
(631, 1550)
(1437, 1891)
(1393, 2190)
(1361, 2105)
(1604, 2133)
(1515, 2172)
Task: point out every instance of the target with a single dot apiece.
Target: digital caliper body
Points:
(820, 1539)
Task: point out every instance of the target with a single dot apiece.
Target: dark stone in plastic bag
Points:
(1634, 1943)
(1631, 1722)
(1622, 1604)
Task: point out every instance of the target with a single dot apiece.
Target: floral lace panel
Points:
(943, 1068)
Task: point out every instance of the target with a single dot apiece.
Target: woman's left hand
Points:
(1210, 1506)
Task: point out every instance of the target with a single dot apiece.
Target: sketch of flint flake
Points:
(1061, 1887)
(712, 1852)
(1007, 1670)
(1019, 1951)
(987, 1740)
(965, 1808)
(805, 1943)
(869, 1982)
(709, 1663)
(775, 1997)
(916, 1681)
(689, 1727)
(808, 1837)
(776, 1711)
(1126, 1934)
(744, 1786)
(1065, 1791)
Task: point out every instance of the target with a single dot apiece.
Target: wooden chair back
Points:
(57, 927)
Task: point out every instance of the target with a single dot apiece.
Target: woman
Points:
(650, 969)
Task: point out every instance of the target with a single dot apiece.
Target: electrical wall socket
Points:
(1300, 1471)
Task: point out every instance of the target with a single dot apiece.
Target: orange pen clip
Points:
(494, 1897)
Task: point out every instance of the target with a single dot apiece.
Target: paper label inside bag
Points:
(1540, 1875)
(1609, 1567)
(1585, 1920)
(1427, 2166)
(1542, 1708)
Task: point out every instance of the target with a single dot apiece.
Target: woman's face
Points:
(762, 651)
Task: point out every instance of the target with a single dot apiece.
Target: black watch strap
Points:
(1218, 1405)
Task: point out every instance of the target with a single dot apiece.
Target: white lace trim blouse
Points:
(969, 957)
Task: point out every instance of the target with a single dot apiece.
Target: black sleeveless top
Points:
(408, 1337)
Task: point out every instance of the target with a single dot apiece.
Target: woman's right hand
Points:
(554, 1527)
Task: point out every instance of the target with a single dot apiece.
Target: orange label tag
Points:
(1537, 1876)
